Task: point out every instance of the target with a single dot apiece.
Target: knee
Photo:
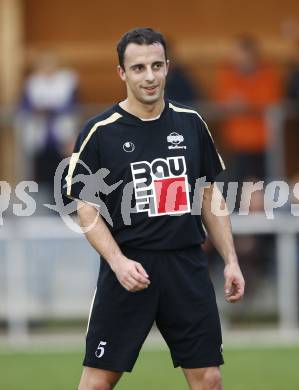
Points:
(211, 379)
(96, 384)
(97, 379)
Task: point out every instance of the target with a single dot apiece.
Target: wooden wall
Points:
(85, 34)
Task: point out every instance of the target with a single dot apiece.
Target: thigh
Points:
(188, 316)
(119, 322)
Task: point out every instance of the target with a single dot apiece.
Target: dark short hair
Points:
(140, 36)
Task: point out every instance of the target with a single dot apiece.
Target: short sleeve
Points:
(80, 177)
(211, 161)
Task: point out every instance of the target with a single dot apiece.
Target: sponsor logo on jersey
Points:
(161, 186)
(175, 139)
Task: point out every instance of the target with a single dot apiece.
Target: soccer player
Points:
(151, 151)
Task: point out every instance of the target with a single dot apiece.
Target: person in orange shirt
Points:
(245, 87)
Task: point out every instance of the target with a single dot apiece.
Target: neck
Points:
(142, 110)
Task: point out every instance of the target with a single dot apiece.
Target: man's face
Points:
(145, 70)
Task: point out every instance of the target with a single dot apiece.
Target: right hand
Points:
(131, 275)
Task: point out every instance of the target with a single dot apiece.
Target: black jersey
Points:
(142, 174)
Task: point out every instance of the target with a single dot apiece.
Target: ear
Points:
(167, 66)
(121, 72)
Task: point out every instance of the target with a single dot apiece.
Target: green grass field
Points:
(245, 369)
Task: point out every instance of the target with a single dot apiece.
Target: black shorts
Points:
(180, 299)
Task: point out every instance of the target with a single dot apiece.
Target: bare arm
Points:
(130, 273)
(220, 233)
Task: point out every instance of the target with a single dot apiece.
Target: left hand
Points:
(234, 282)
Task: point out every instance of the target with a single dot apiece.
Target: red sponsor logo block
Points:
(161, 186)
(171, 195)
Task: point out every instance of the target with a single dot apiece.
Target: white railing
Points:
(285, 228)
(48, 271)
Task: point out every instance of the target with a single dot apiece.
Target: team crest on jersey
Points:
(175, 139)
(128, 146)
(161, 186)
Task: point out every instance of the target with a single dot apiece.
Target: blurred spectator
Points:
(47, 117)
(245, 86)
(293, 82)
(179, 85)
(292, 117)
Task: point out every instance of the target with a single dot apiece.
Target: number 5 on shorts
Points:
(100, 350)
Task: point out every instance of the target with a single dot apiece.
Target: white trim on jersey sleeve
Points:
(187, 110)
(75, 156)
